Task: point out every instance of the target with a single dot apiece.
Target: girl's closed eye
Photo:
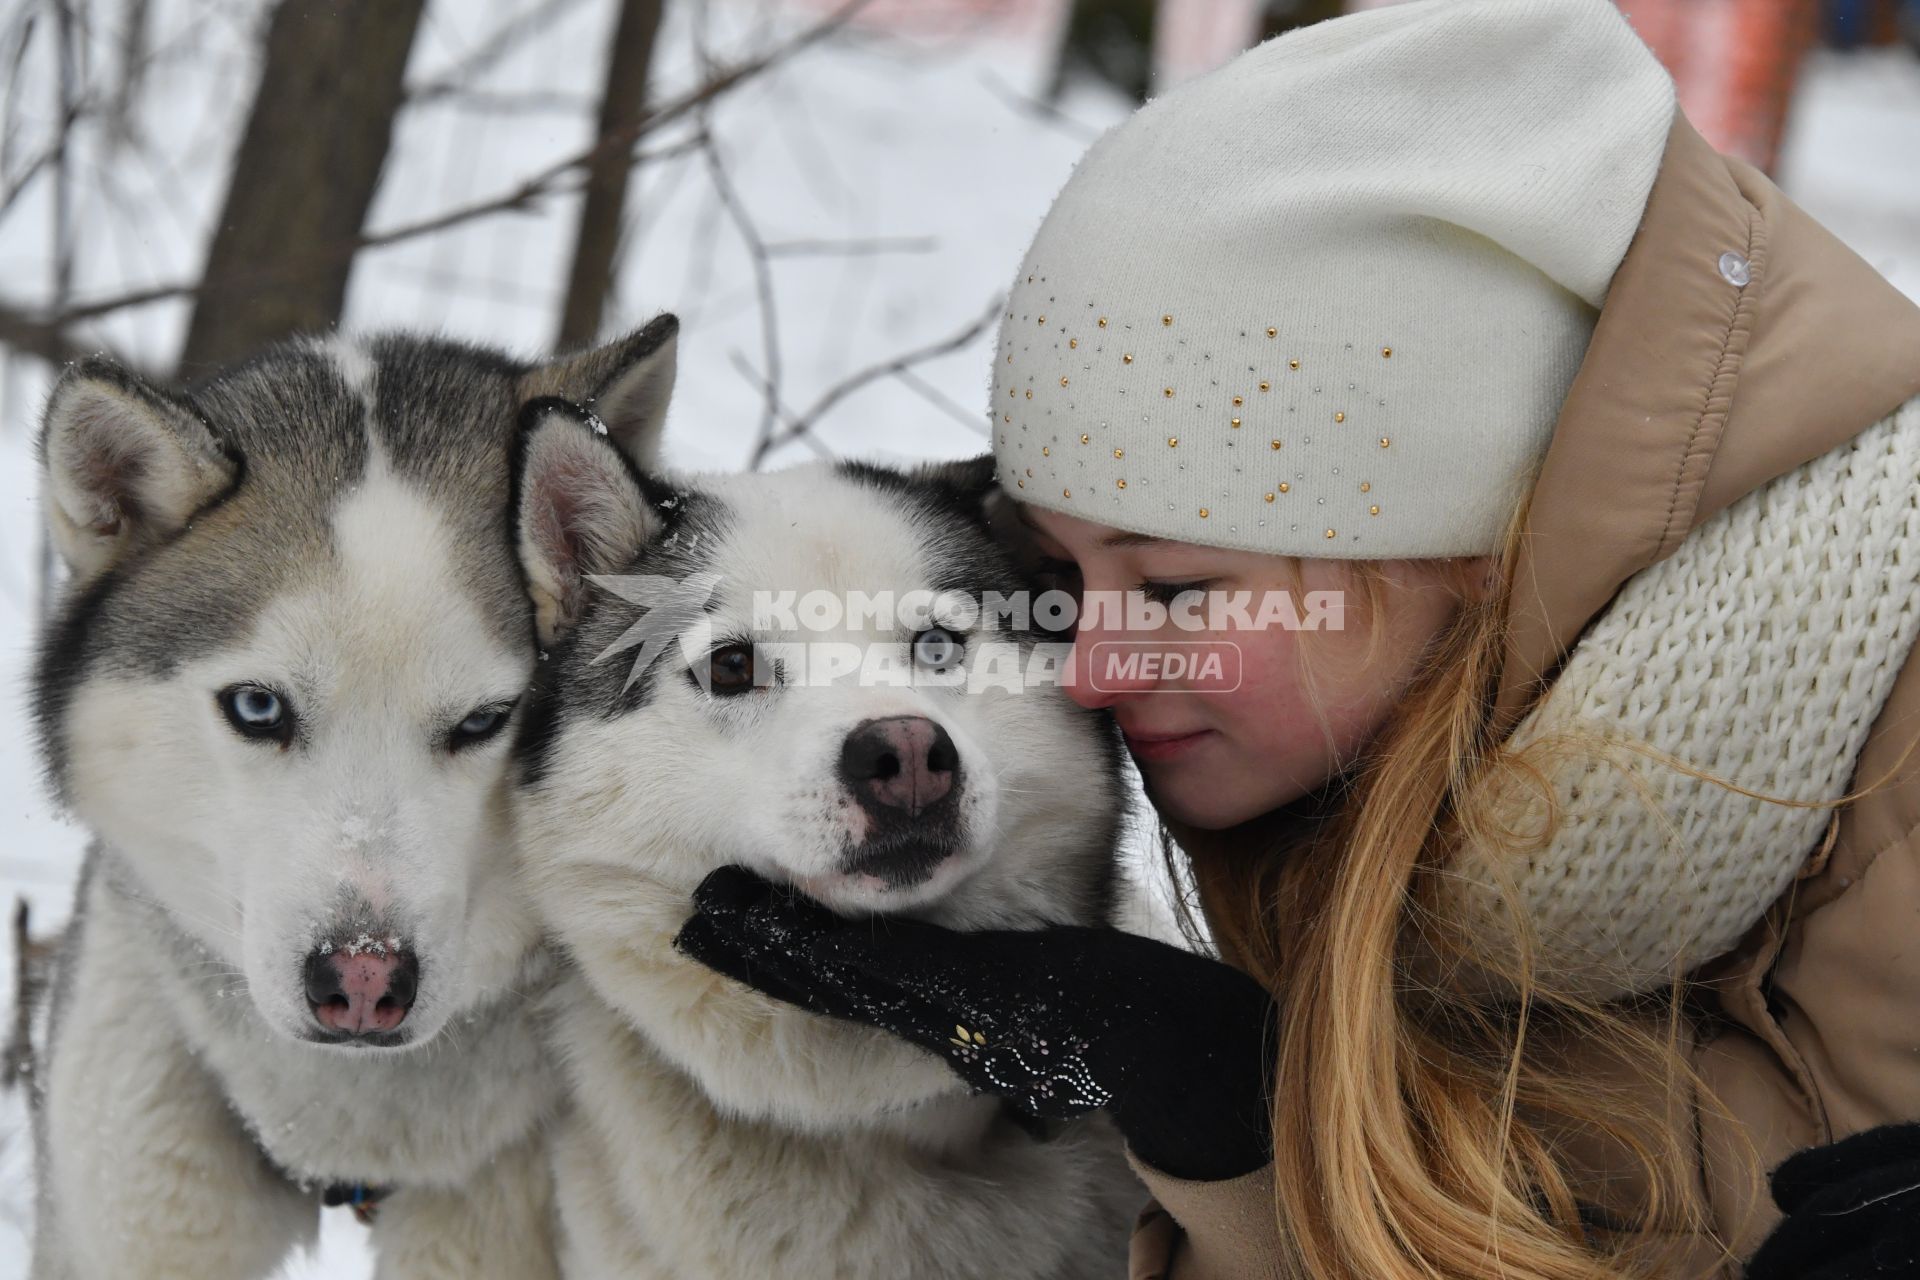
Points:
(1165, 593)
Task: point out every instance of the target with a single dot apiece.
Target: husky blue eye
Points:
(257, 712)
(482, 723)
(937, 647)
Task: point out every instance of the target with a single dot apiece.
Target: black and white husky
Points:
(278, 692)
(715, 1134)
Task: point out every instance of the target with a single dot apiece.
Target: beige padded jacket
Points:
(1691, 396)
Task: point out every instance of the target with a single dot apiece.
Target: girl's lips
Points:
(1163, 746)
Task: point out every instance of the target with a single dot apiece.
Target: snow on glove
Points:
(1057, 1021)
(1853, 1210)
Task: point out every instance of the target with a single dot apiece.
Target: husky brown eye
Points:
(256, 711)
(730, 669)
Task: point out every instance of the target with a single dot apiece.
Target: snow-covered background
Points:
(923, 144)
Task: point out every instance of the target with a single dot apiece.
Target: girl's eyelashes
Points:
(1165, 593)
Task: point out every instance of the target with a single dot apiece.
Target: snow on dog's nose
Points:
(903, 764)
(361, 989)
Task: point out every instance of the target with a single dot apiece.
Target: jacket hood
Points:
(1739, 341)
(1696, 391)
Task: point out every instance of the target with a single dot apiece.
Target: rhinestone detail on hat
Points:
(1179, 360)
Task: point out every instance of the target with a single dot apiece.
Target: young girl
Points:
(1572, 884)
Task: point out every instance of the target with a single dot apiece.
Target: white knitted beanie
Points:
(1326, 301)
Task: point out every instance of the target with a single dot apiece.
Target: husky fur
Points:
(331, 521)
(715, 1134)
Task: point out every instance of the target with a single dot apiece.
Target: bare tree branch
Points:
(34, 167)
(507, 37)
(763, 286)
(851, 248)
(37, 337)
(1038, 108)
(523, 103)
(62, 161)
(135, 25)
(21, 37)
(746, 370)
(943, 402)
(798, 426)
(32, 959)
(523, 196)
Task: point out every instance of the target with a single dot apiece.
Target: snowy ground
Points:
(926, 142)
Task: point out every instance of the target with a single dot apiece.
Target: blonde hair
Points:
(1420, 1130)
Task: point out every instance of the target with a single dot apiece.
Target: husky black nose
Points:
(360, 990)
(900, 765)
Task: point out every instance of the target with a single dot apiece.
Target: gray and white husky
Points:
(278, 693)
(715, 1134)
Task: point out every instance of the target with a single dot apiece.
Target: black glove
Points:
(1853, 1210)
(1058, 1021)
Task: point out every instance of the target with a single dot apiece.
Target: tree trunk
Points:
(1282, 16)
(304, 175)
(590, 282)
(1111, 40)
(135, 50)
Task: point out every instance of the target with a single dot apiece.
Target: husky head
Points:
(296, 632)
(868, 755)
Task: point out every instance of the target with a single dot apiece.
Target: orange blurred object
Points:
(1734, 62)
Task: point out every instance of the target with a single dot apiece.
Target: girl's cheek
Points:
(1263, 667)
(1296, 702)
(1260, 705)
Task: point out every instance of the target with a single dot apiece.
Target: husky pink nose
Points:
(361, 991)
(904, 763)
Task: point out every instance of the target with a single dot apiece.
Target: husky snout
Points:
(361, 988)
(902, 765)
(905, 774)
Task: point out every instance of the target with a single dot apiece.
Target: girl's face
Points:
(1280, 708)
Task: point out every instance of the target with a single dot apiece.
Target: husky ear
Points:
(625, 384)
(973, 485)
(970, 484)
(581, 511)
(123, 465)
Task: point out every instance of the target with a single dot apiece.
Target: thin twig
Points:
(31, 959)
(798, 426)
(522, 103)
(62, 162)
(943, 402)
(508, 37)
(1037, 108)
(756, 245)
(520, 198)
(37, 337)
(620, 140)
(851, 248)
(20, 34)
(746, 370)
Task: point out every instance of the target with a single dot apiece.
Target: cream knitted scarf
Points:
(1760, 653)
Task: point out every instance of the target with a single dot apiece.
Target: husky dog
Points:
(715, 1134)
(278, 692)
